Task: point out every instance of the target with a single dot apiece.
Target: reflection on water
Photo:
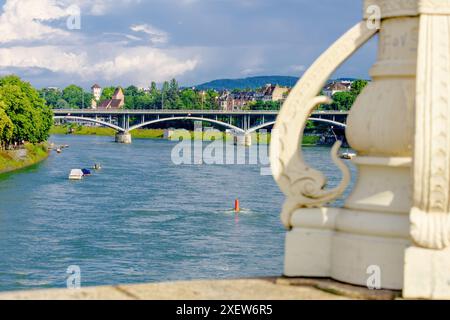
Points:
(140, 219)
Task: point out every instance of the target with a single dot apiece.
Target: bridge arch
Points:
(268, 124)
(224, 124)
(103, 123)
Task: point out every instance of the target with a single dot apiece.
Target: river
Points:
(140, 219)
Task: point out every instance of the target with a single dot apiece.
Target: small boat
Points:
(58, 150)
(347, 155)
(97, 166)
(76, 174)
(86, 172)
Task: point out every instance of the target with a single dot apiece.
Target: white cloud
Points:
(101, 7)
(25, 20)
(35, 46)
(156, 35)
(297, 68)
(142, 64)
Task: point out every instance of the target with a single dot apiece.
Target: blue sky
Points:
(122, 42)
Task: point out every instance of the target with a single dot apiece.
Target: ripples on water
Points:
(140, 219)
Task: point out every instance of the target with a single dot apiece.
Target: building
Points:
(96, 92)
(117, 101)
(235, 101)
(274, 93)
(335, 87)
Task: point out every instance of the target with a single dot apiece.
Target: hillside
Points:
(251, 82)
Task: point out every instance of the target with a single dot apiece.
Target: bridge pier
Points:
(123, 137)
(243, 140)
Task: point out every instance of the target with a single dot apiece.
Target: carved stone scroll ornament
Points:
(303, 186)
(430, 215)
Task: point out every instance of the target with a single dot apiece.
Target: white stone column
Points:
(427, 261)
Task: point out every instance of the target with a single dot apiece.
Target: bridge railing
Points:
(178, 111)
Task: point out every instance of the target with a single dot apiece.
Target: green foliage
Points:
(358, 86)
(190, 99)
(107, 93)
(53, 97)
(264, 105)
(171, 96)
(28, 112)
(310, 140)
(10, 161)
(6, 127)
(76, 97)
(343, 101)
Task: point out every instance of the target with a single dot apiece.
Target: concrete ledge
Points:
(246, 289)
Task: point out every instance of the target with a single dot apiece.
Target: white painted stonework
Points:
(397, 218)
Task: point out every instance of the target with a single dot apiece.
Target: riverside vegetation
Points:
(159, 134)
(25, 122)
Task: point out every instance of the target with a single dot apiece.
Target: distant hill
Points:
(251, 82)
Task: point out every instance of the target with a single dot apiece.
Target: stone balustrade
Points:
(393, 231)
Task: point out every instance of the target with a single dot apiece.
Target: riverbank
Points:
(101, 131)
(159, 134)
(31, 154)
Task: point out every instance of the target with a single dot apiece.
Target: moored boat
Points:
(347, 155)
(76, 174)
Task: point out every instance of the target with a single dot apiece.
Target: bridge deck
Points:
(178, 112)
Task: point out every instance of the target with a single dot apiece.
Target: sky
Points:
(123, 42)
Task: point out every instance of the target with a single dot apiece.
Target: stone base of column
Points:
(243, 140)
(427, 274)
(347, 246)
(123, 137)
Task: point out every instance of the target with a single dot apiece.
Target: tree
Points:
(76, 97)
(264, 105)
(132, 96)
(358, 86)
(190, 99)
(163, 99)
(6, 127)
(155, 96)
(51, 96)
(172, 95)
(28, 112)
(343, 100)
(107, 93)
(211, 101)
(144, 101)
